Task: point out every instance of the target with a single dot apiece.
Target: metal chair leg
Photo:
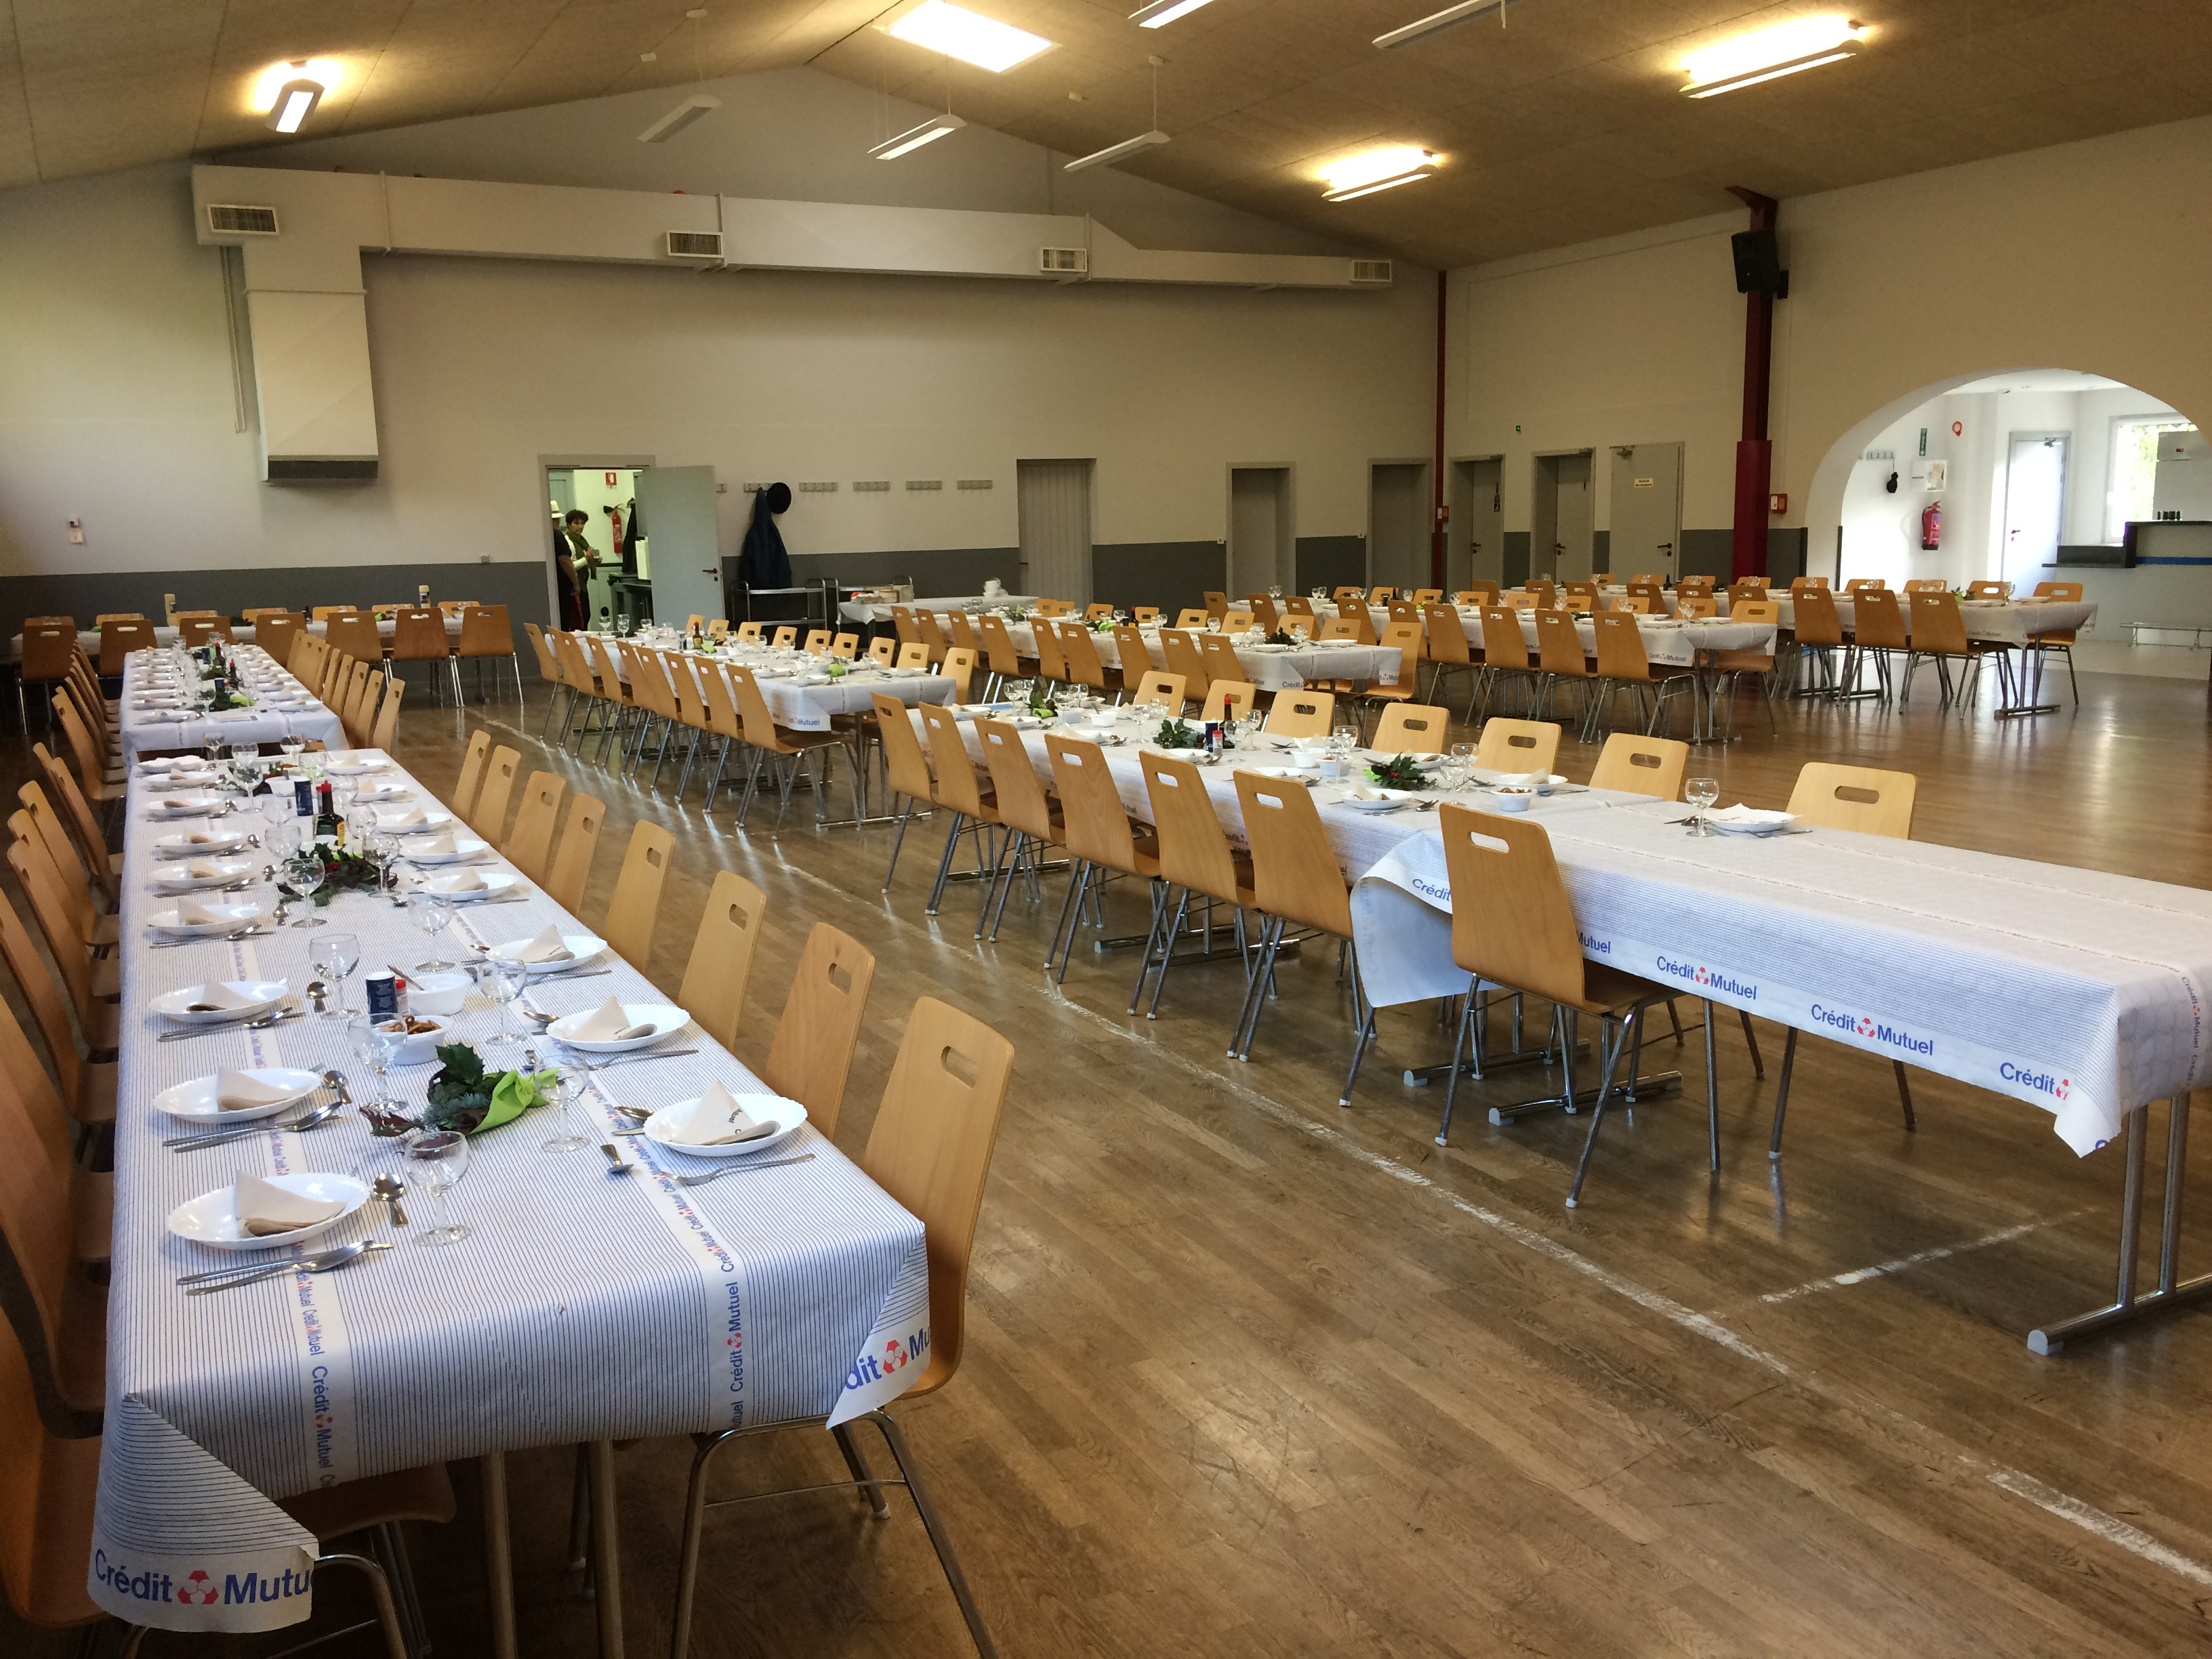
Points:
(1712, 1095)
(898, 840)
(944, 864)
(939, 1539)
(1611, 1052)
(687, 1567)
(1781, 1092)
(1904, 1097)
(1751, 1041)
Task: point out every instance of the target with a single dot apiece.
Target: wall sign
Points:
(612, 480)
(1958, 428)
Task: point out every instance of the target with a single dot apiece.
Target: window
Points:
(2135, 467)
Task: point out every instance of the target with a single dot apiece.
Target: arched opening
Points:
(2023, 475)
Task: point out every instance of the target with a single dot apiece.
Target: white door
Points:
(678, 503)
(1054, 503)
(2035, 499)
(1647, 510)
(1397, 524)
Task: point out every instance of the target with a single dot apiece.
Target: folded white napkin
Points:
(207, 837)
(238, 1091)
(1757, 817)
(205, 870)
(219, 996)
(715, 1119)
(461, 881)
(193, 913)
(401, 820)
(435, 847)
(610, 1023)
(548, 946)
(182, 804)
(265, 1209)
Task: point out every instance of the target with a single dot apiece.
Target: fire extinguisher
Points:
(1931, 526)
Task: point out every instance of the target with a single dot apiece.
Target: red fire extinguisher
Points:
(1931, 526)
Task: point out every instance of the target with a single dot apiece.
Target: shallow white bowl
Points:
(174, 1005)
(212, 1218)
(788, 1116)
(666, 1021)
(196, 1099)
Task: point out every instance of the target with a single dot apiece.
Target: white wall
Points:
(118, 401)
(2086, 256)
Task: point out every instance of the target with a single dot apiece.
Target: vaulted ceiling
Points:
(1567, 123)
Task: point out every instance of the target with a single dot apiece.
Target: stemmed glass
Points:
(342, 793)
(1701, 793)
(1459, 765)
(300, 876)
(334, 957)
(377, 1049)
(567, 1086)
(433, 913)
(294, 746)
(1344, 738)
(502, 980)
(443, 1157)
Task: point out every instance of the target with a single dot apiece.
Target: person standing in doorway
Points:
(574, 560)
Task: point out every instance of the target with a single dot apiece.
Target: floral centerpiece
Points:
(1398, 771)
(465, 1095)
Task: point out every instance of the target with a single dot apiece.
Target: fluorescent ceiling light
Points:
(270, 86)
(939, 26)
(679, 118)
(1112, 153)
(915, 137)
(1450, 17)
(1768, 54)
(295, 103)
(1380, 169)
(1160, 13)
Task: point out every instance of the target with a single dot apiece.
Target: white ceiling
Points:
(1566, 125)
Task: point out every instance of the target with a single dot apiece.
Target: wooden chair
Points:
(1141, 614)
(972, 803)
(63, 837)
(1180, 647)
(386, 731)
(1237, 621)
(1405, 638)
(883, 651)
(1561, 658)
(1877, 634)
(1411, 728)
(572, 862)
(1872, 802)
(1051, 659)
(906, 770)
(913, 654)
(1988, 590)
(1219, 656)
(46, 1503)
(355, 633)
(1519, 934)
(713, 990)
(118, 637)
(930, 1149)
(1479, 590)
(933, 639)
(84, 1079)
(194, 631)
(1196, 862)
(529, 846)
(636, 904)
(276, 632)
(811, 1053)
(1227, 700)
(77, 812)
(645, 673)
(1055, 607)
(1193, 616)
(1347, 595)
(1860, 584)
(487, 816)
(749, 633)
(723, 720)
(418, 634)
(999, 651)
(817, 642)
(1216, 604)
(786, 636)
(1818, 628)
(1132, 658)
(358, 718)
(1301, 714)
(1696, 585)
(1102, 838)
(1638, 765)
(1450, 651)
(1517, 746)
(1160, 689)
(49, 655)
(1505, 655)
(843, 648)
(1760, 661)
(462, 800)
(1297, 882)
(1692, 606)
(92, 770)
(1939, 635)
(1030, 818)
(2060, 639)
(774, 745)
(959, 667)
(1581, 597)
(1622, 664)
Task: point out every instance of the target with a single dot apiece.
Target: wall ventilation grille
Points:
(1370, 270)
(870, 486)
(695, 244)
(1064, 261)
(226, 219)
(925, 483)
(975, 483)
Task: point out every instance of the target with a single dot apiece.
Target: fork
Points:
(701, 1179)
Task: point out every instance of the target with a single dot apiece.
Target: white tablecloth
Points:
(1666, 643)
(1268, 667)
(808, 700)
(241, 634)
(865, 610)
(2080, 992)
(142, 729)
(585, 1306)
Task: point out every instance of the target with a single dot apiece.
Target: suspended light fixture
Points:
(915, 137)
(1128, 147)
(939, 26)
(1160, 13)
(1380, 170)
(698, 104)
(1450, 18)
(286, 94)
(1768, 54)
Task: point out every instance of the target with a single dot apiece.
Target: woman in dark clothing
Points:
(572, 614)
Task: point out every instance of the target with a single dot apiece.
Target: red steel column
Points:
(1754, 455)
(1436, 531)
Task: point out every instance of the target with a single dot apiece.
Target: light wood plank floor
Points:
(1249, 1373)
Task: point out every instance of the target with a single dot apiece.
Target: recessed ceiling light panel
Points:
(286, 94)
(1768, 54)
(941, 26)
(1160, 13)
(1378, 170)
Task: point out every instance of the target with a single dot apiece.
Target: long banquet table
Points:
(241, 634)
(585, 1306)
(1269, 667)
(284, 707)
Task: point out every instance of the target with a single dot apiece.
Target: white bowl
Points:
(196, 1100)
(422, 1047)
(585, 947)
(465, 849)
(179, 879)
(437, 994)
(1512, 800)
(187, 806)
(666, 1022)
(218, 841)
(230, 918)
(432, 820)
(265, 994)
(212, 1218)
(788, 1115)
(491, 884)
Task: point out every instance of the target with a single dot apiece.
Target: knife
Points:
(328, 1261)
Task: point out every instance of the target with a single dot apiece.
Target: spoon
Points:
(208, 938)
(327, 1261)
(245, 1132)
(290, 1010)
(390, 1189)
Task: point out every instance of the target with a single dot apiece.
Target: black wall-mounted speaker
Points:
(1758, 262)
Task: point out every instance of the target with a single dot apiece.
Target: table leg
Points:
(2172, 1290)
(606, 1548)
(2026, 698)
(499, 1555)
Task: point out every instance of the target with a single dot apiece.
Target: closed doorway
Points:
(1647, 510)
(1053, 498)
(1475, 544)
(1261, 546)
(1397, 524)
(1561, 529)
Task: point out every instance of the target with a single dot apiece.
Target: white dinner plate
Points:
(495, 882)
(212, 1218)
(1750, 821)
(382, 794)
(218, 841)
(1381, 800)
(353, 764)
(177, 1004)
(432, 820)
(179, 879)
(586, 947)
(788, 1115)
(187, 806)
(1542, 785)
(178, 770)
(665, 1021)
(197, 1100)
(465, 849)
(232, 917)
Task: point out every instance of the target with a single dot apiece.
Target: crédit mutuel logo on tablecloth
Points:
(896, 1357)
(1868, 1029)
(199, 1587)
(1707, 982)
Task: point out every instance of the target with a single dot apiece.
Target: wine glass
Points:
(442, 1158)
(566, 1088)
(301, 876)
(376, 1048)
(433, 913)
(1459, 765)
(334, 957)
(501, 978)
(343, 792)
(1701, 793)
(1344, 737)
(294, 746)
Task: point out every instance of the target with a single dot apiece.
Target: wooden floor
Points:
(1252, 1375)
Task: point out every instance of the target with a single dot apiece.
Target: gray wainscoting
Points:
(939, 572)
(1173, 575)
(1712, 553)
(1331, 561)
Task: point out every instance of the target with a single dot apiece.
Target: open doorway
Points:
(613, 546)
(1397, 524)
(1475, 545)
(2034, 504)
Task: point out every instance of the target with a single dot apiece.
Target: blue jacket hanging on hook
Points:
(762, 562)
